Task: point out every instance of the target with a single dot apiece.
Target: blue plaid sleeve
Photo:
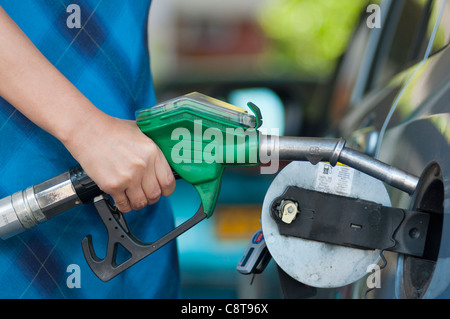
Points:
(107, 59)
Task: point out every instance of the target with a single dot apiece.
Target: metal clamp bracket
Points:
(351, 222)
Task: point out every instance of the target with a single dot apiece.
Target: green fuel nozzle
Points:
(200, 136)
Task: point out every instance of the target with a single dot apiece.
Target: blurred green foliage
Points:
(309, 36)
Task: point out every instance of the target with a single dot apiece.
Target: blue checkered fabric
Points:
(107, 60)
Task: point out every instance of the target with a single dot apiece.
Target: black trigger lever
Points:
(119, 235)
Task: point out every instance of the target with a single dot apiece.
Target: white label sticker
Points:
(334, 180)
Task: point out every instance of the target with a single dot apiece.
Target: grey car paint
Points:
(406, 123)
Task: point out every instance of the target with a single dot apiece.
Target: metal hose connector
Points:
(35, 205)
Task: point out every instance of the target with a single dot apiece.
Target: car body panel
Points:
(409, 118)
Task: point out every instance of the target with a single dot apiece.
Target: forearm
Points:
(36, 88)
(122, 161)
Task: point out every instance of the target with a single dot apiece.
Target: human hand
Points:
(123, 162)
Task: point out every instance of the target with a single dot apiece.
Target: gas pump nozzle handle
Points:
(39, 203)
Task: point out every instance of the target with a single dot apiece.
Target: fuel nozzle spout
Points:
(315, 150)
